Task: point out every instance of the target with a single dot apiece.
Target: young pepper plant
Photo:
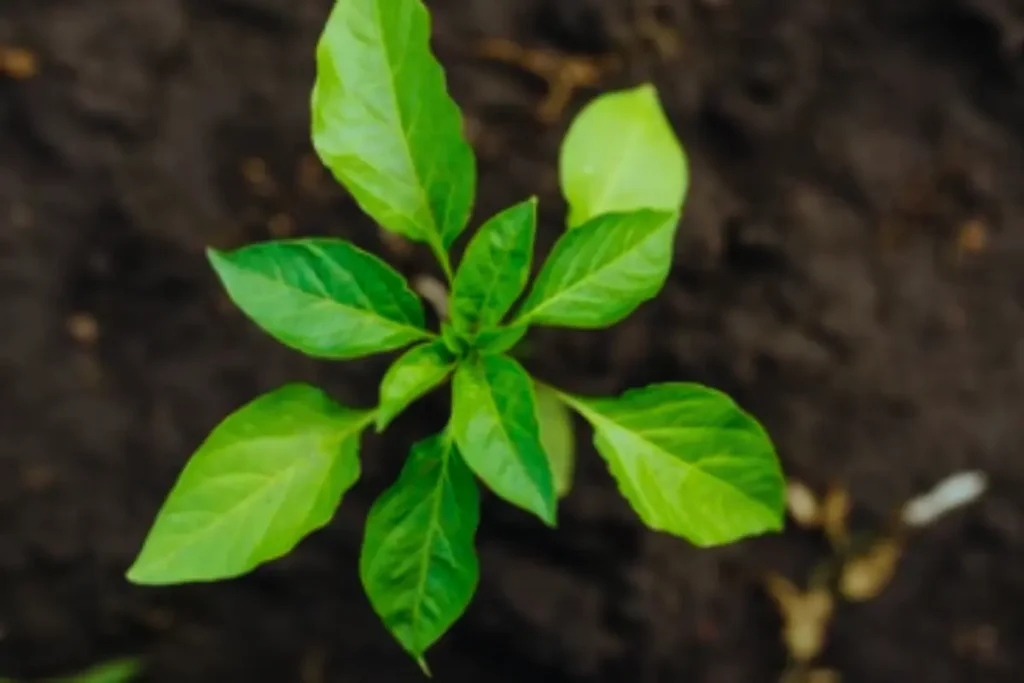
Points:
(688, 460)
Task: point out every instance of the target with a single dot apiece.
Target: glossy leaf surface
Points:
(494, 421)
(268, 475)
(416, 372)
(689, 461)
(323, 297)
(621, 154)
(418, 563)
(495, 268)
(600, 272)
(384, 124)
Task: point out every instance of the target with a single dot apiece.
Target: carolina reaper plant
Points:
(689, 461)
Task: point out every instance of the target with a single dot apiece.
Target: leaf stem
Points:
(442, 257)
(573, 402)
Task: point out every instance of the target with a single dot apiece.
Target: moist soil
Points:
(850, 268)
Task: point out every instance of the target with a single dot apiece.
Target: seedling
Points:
(689, 461)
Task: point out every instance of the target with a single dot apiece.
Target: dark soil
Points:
(847, 160)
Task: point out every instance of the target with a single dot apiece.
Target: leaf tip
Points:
(424, 667)
(138, 575)
(550, 515)
(214, 255)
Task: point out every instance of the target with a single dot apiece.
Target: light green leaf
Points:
(558, 436)
(689, 461)
(268, 475)
(323, 297)
(384, 124)
(600, 272)
(416, 372)
(494, 421)
(419, 564)
(495, 268)
(620, 154)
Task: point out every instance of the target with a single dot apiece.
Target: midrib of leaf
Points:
(504, 431)
(596, 418)
(595, 209)
(270, 482)
(327, 300)
(221, 519)
(586, 279)
(491, 290)
(434, 238)
(432, 531)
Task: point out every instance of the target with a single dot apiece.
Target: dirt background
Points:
(851, 267)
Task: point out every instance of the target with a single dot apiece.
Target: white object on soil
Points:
(955, 491)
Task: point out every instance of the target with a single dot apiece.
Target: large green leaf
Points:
(323, 297)
(495, 268)
(384, 124)
(416, 372)
(558, 436)
(418, 563)
(600, 272)
(689, 461)
(620, 154)
(494, 421)
(268, 475)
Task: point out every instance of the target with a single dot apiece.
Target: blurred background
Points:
(851, 268)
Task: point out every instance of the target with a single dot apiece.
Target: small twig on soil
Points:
(564, 74)
(835, 517)
(805, 616)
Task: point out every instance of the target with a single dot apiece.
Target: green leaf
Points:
(419, 564)
(689, 461)
(600, 272)
(323, 297)
(268, 475)
(453, 340)
(416, 372)
(494, 421)
(495, 268)
(500, 339)
(384, 124)
(558, 436)
(620, 154)
(118, 671)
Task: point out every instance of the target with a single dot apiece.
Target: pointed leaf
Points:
(689, 461)
(620, 154)
(419, 564)
(494, 422)
(600, 272)
(558, 436)
(494, 271)
(384, 124)
(323, 297)
(416, 372)
(268, 475)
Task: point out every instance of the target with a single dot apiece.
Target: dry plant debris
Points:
(564, 74)
(858, 570)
